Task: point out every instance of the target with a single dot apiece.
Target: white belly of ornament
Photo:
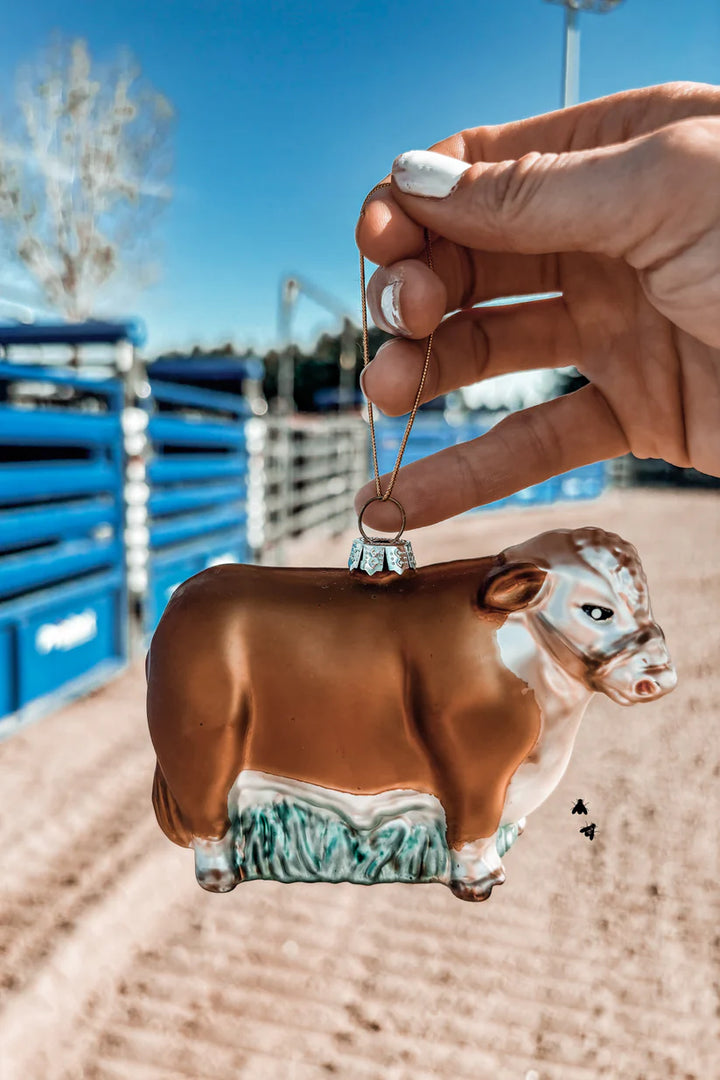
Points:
(534, 781)
(289, 830)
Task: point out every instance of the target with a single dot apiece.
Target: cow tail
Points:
(168, 813)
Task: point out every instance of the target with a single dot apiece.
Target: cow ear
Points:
(512, 587)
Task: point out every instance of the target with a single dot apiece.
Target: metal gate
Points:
(187, 491)
(305, 471)
(63, 603)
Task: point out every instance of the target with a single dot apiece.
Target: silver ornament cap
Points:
(375, 554)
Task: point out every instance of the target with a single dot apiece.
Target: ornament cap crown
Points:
(373, 555)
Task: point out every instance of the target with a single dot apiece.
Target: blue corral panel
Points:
(62, 560)
(211, 402)
(59, 642)
(171, 567)
(181, 468)
(42, 480)
(57, 426)
(35, 524)
(68, 638)
(180, 527)
(174, 500)
(63, 594)
(585, 483)
(110, 391)
(197, 476)
(91, 332)
(172, 431)
(8, 670)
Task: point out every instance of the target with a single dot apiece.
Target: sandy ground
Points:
(595, 959)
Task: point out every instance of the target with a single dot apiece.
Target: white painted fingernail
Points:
(423, 172)
(390, 308)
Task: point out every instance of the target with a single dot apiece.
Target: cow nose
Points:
(646, 688)
(661, 682)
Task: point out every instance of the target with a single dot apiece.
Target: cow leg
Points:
(216, 866)
(475, 869)
(198, 720)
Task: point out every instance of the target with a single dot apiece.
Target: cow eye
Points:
(597, 612)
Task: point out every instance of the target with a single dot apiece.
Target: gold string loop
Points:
(379, 498)
(384, 496)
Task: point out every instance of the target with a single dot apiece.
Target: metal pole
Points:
(346, 380)
(571, 66)
(286, 360)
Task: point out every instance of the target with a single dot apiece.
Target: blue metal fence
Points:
(432, 432)
(196, 478)
(63, 602)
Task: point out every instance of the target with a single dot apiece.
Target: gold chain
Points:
(384, 496)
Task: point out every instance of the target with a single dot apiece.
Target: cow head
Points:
(583, 595)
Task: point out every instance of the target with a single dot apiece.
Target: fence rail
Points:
(304, 472)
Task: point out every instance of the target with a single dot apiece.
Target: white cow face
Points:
(593, 614)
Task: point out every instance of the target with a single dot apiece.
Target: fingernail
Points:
(364, 371)
(390, 308)
(423, 172)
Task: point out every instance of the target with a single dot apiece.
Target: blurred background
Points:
(180, 352)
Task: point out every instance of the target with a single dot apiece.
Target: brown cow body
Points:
(340, 680)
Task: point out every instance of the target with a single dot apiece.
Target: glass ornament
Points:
(387, 722)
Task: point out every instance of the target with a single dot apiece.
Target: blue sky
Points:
(287, 113)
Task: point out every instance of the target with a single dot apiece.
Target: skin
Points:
(616, 205)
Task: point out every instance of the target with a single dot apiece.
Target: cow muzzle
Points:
(655, 682)
(640, 671)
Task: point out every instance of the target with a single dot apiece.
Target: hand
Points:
(616, 205)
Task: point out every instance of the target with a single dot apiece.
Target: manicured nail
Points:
(390, 308)
(423, 172)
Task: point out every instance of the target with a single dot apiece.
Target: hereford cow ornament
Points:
(388, 723)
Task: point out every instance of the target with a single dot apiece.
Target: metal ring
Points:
(381, 498)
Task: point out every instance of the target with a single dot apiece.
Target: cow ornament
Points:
(388, 723)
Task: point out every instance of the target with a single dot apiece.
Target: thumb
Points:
(603, 200)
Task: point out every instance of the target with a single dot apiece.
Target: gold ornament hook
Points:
(382, 498)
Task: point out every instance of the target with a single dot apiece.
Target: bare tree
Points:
(83, 175)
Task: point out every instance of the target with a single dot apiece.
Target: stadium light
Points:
(571, 64)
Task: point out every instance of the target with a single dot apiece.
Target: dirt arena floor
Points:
(595, 959)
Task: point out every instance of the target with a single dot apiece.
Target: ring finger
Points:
(470, 346)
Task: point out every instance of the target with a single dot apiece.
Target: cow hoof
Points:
(476, 891)
(217, 881)
(468, 892)
(216, 868)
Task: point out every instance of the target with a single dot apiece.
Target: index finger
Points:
(385, 234)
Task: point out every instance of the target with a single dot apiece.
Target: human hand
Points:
(614, 203)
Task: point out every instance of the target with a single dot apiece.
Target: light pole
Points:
(571, 60)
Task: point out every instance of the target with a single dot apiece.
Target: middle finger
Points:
(409, 299)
